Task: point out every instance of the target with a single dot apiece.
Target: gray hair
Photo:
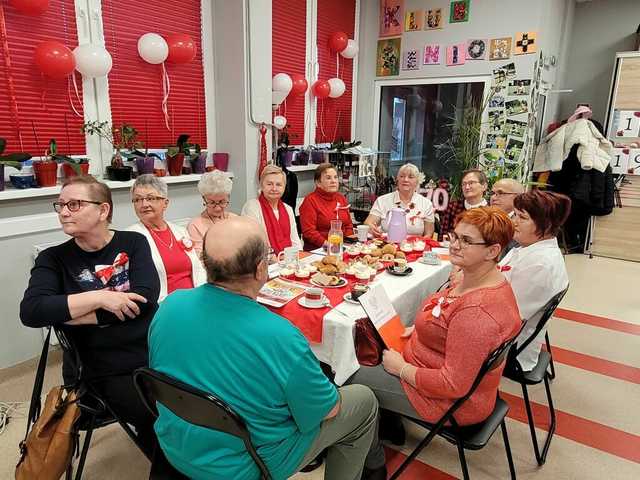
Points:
(513, 185)
(149, 180)
(244, 262)
(215, 183)
(412, 169)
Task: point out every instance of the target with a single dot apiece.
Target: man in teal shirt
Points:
(219, 339)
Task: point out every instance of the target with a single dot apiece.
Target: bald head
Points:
(504, 191)
(233, 249)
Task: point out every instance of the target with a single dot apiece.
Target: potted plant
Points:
(70, 166)
(122, 139)
(181, 150)
(12, 160)
(45, 168)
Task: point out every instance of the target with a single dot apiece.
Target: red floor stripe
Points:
(596, 365)
(596, 321)
(589, 433)
(416, 469)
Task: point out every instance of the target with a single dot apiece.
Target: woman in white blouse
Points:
(536, 269)
(276, 217)
(420, 217)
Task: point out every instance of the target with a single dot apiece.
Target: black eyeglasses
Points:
(72, 205)
(149, 198)
(463, 239)
(210, 203)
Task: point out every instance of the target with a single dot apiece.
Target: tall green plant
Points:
(463, 149)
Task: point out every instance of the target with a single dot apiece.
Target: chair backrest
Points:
(493, 361)
(546, 314)
(194, 406)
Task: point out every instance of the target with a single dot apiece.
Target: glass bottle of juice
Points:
(335, 238)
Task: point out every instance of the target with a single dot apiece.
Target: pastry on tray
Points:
(325, 280)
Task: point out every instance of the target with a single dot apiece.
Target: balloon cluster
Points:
(340, 43)
(177, 48)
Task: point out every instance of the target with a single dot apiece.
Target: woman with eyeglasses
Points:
(454, 332)
(274, 215)
(536, 268)
(474, 185)
(177, 263)
(215, 188)
(101, 288)
(419, 209)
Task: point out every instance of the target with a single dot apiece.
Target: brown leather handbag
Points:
(46, 451)
(368, 342)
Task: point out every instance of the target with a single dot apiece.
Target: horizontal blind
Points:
(42, 100)
(289, 32)
(135, 86)
(334, 114)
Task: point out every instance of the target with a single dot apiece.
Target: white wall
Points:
(488, 19)
(235, 134)
(601, 28)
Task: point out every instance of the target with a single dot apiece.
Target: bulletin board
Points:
(623, 114)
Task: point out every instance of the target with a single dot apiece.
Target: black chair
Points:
(472, 437)
(540, 373)
(95, 412)
(194, 406)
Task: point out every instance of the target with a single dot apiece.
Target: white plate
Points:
(341, 283)
(347, 298)
(302, 301)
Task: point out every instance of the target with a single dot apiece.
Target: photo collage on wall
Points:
(396, 21)
(511, 120)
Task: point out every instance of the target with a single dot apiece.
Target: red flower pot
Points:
(175, 164)
(70, 172)
(46, 173)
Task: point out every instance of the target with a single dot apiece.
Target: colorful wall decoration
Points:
(388, 57)
(391, 17)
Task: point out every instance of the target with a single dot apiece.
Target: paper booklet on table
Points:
(379, 309)
(278, 292)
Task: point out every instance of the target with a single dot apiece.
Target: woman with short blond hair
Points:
(274, 215)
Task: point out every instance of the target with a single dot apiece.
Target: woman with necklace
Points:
(474, 185)
(454, 332)
(215, 188)
(100, 288)
(419, 209)
(276, 217)
(176, 261)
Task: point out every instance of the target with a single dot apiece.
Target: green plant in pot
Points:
(123, 139)
(70, 166)
(14, 160)
(181, 150)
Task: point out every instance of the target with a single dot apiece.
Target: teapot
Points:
(396, 223)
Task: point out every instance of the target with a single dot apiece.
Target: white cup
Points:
(288, 256)
(363, 233)
(314, 296)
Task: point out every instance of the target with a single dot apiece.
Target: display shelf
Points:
(11, 193)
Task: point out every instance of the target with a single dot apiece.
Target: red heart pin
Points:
(625, 151)
(636, 114)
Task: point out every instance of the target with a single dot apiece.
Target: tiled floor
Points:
(596, 393)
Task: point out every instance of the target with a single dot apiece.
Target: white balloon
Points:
(279, 122)
(92, 60)
(281, 83)
(351, 50)
(153, 48)
(337, 87)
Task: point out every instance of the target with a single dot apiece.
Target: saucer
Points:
(399, 274)
(302, 301)
(347, 298)
(340, 284)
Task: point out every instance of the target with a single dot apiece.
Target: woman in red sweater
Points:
(323, 205)
(454, 332)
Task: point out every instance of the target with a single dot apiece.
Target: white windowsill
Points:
(11, 193)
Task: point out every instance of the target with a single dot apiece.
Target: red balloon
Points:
(321, 89)
(338, 41)
(182, 49)
(54, 59)
(30, 7)
(300, 84)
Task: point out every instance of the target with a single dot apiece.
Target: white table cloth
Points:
(406, 294)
